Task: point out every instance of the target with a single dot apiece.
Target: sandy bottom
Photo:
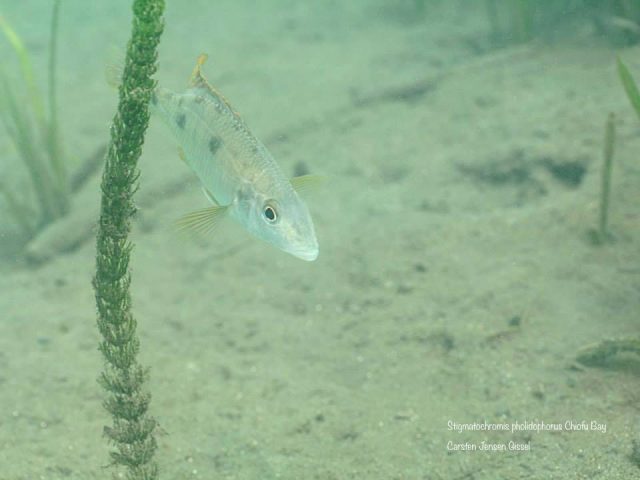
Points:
(455, 283)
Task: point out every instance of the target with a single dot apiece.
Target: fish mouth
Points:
(303, 243)
(309, 253)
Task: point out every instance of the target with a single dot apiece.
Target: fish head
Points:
(283, 220)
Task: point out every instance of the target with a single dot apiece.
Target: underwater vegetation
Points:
(601, 234)
(629, 85)
(30, 120)
(518, 21)
(34, 131)
(512, 20)
(600, 354)
(123, 378)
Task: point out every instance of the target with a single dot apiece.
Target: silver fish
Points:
(238, 174)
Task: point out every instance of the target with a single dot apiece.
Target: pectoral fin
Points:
(201, 221)
(307, 183)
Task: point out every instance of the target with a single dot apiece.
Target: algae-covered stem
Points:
(132, 431)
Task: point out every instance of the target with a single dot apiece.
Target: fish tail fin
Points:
(114, 66)
(113, 74)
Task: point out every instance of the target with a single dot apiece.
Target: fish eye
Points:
(270, 214)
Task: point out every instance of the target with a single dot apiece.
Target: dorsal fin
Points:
(198, 80)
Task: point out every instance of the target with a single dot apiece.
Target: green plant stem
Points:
(494, 22)
(629, 86)
(123, 378)
(58, 166)
(522, 20)
(18, 125)
(609, 141)
(35, 136)
(25, 67)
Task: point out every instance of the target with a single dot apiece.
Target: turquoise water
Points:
(457, 280)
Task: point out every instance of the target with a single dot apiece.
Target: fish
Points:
(239, 176)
